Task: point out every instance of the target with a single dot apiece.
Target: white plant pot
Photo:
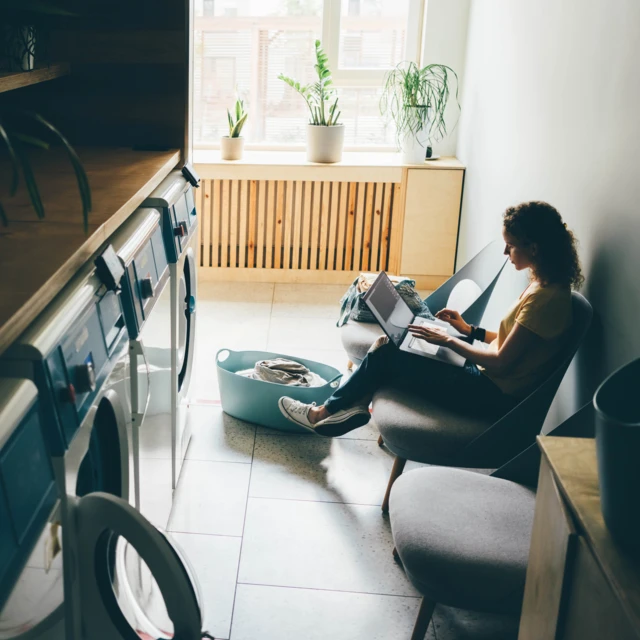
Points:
(324, 144)
(413, 146)
(231, 148)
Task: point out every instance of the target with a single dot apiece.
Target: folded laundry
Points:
(283, 371)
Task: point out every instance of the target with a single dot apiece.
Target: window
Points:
(244, 45)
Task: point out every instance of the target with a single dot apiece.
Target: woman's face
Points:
(521, 256)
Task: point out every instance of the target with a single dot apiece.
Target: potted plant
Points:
(22, 22)
(416, 100)
(325, 135)
(20, 130)
(231, 146)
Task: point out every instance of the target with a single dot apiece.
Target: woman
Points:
(494, 379)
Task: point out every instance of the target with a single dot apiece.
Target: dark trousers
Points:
(462, 388)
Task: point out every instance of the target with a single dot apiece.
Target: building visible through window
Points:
(243, 45)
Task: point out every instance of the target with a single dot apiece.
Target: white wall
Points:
(551, 111)
(445, 42)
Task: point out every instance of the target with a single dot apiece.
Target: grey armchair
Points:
(463, 538)
(483, 270)
(416, 428)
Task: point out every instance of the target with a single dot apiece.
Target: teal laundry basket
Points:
(257, 401)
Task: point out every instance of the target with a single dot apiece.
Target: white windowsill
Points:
(374, 166)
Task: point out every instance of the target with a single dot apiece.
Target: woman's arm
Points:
(498, 362)
(490, 336)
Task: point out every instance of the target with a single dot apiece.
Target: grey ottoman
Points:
(463, 537)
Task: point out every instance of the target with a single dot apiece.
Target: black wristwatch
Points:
(477, 333)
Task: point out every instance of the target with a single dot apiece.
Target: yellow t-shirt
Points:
(546, 311)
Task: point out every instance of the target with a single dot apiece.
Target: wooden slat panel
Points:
(279, 225)
(216, 205)
(368, 224)
(262, 219)
(224, 227)
(376, 229)
(251, 235)
(288, 225)
(243, 222)
(316, 213)
(349, 263)
(234, 211)
(324, 225)
(341, 232)
(297, 225)
(306, 224)
(333, 225)
(358, 230)
(386, 227)
(395, 240)
(206, 221)
(271, 214)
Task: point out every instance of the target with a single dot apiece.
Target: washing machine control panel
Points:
(145, 277)
(82, 360)
(175, 198)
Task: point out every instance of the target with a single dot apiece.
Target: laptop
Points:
(394, 316)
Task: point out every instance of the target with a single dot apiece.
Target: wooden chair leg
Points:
(380, 441)
(423, 619)
(396, 472)
(349, 365)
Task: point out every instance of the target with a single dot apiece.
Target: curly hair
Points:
(556, 260)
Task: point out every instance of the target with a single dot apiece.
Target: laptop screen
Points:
(390, 310)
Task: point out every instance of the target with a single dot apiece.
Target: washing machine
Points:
(31, 575)
(72, 567)
(174, 198)
(139, 247)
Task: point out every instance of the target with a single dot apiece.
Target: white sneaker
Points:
(297, 412)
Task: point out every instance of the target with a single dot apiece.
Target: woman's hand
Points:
(452, 317)
(433, 335)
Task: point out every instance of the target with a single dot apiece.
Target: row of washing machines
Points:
(93, 433)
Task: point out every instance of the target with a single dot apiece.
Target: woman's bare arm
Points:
(519, 341)
(490, 336)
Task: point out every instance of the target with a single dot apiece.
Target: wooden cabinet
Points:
(431, 219)
(580, 584)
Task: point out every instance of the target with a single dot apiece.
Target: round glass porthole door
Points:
(149, 592)
(105, 466)
(35, 604)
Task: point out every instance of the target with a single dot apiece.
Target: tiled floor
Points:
(285, 531)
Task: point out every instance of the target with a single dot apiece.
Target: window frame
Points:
(348, 77)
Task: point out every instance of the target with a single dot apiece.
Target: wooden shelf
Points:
(16, 80)
(39, 257)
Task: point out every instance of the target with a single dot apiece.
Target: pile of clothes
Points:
(283, 371)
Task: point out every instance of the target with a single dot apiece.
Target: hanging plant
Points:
(416, 98)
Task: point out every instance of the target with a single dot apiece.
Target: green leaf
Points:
(14, 161)
(30, 181)
(230, 122)
(32, 140)
(78, 169)
(238, 128)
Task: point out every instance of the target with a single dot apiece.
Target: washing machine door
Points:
(186, 319)
(149, 592)
(34, 610)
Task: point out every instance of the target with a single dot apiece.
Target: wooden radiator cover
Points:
(300, 225)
